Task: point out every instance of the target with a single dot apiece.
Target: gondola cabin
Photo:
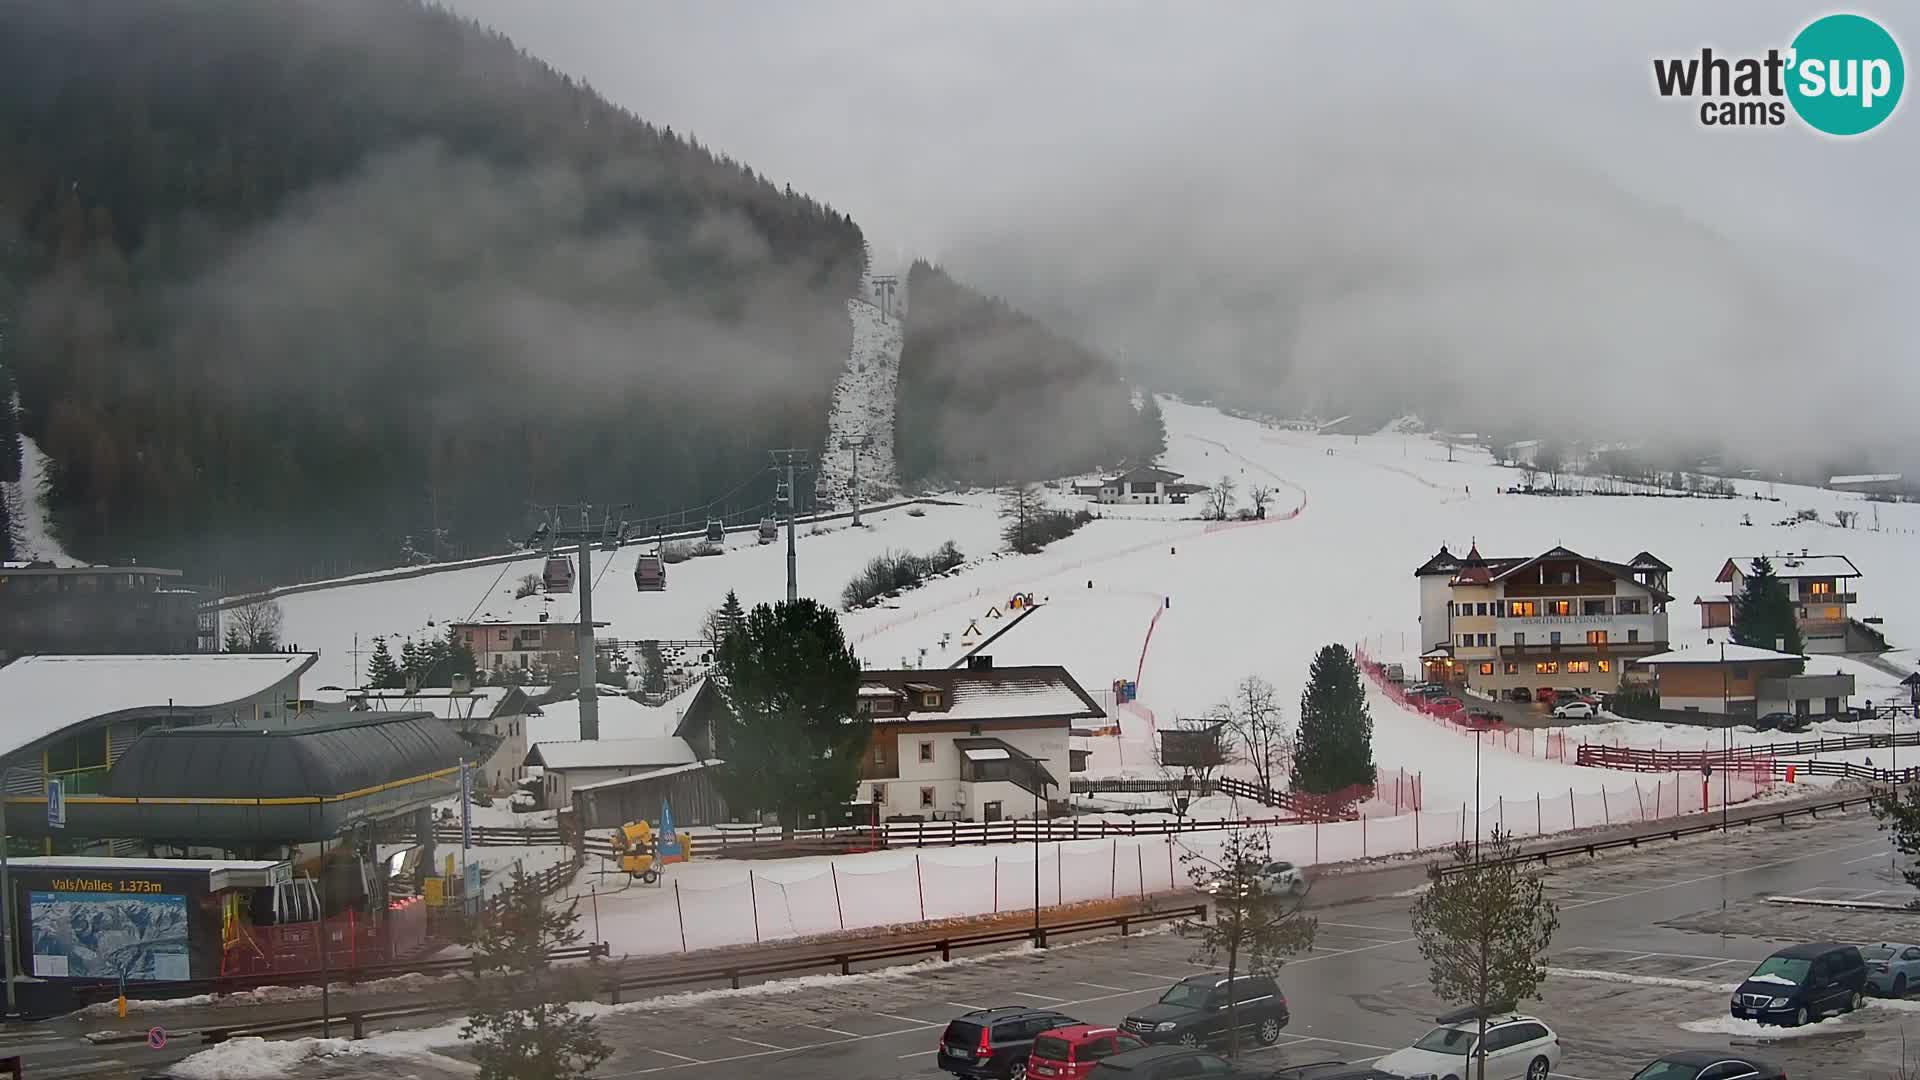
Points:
(650, 573)
(558, 576)
(716, 531)
(769, 530)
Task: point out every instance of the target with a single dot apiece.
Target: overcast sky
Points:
(1495, 161)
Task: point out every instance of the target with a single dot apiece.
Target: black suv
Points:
(1801, 983)
(995, 1043)
(1167, 1063)
(1194, 1011)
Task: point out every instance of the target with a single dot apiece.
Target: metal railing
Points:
(840, 960)
(1634, 840)
(1635, 759)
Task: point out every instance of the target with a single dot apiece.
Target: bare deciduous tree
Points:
(1484, 927)
(1220, 499)
(1260, 495)
(1254, 719)
(254, 627)
(1253, 929)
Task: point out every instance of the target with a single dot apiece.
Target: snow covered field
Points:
(1186, 607)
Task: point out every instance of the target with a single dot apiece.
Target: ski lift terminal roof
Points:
(46, 695)
(1711, 654)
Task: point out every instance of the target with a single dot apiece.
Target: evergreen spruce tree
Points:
(382, 672)
(451, 656)
(1335, 748)
(233, 641)
(1763, 615)
(731, 613)
(789, 736)
(411, 662)
(653, 677)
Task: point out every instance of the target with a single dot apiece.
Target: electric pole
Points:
(855, 444)
(790, 461)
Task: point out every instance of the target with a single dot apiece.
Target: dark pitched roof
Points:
(1646, 560)
(1443, 562)
(1622, 571)
(327, 758)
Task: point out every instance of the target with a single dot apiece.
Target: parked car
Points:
(1520, 693)
(1194, 1011)
(1445, 704)
(1483, 718)
(1167, 1063)
(1891, 969)
(1782, 721)
(1710, 1065)
(1574, 710)
(1518, 1048)
(1801, 983)
(1545, 695)
(1070, 1053)
(996, 1044)
(1425, 689)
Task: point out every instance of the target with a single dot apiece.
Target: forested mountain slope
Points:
(289, 280)
(989, 395)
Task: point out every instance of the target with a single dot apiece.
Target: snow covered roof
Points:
(1711, 654)
(48, 694)
(621, 717)
(1793, 566)
(987, 753)
(1148, 474)
(650, 774)
(876, 690)
(221, 873)
(1037, 692)
(612, 753)
(1865, 478)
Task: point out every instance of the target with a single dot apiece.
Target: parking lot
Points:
(1650, 945)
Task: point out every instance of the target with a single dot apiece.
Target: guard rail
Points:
(840, 960)
(1599, 844)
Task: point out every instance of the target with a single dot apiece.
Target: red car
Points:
(1445, 705)
(1070, 1053)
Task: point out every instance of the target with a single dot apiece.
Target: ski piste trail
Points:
(863, 404)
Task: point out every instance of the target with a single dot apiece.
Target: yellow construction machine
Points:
(637, 845)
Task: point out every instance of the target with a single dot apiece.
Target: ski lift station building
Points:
(216, 752)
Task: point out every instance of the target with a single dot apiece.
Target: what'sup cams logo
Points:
(1842, 76)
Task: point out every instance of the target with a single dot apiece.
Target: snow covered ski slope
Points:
(1188, 607)
(863, 406)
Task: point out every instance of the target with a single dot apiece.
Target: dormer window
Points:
(930, 701)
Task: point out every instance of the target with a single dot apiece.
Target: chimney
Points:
(978, 662)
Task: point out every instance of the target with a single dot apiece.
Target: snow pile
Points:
(863, 405)
(1630, 979)
(258, 1059)
(1725, 1024)
(27, 506)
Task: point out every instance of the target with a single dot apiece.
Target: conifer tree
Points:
(653, 675)
(411, 662)
(382, 672)
(1763, 615)
(789, 735)
(1335, 739)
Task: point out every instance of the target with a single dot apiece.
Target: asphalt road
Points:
(1691, 915)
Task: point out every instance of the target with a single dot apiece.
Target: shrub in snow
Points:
(892, 572)
(678, 551)
(916, 511)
